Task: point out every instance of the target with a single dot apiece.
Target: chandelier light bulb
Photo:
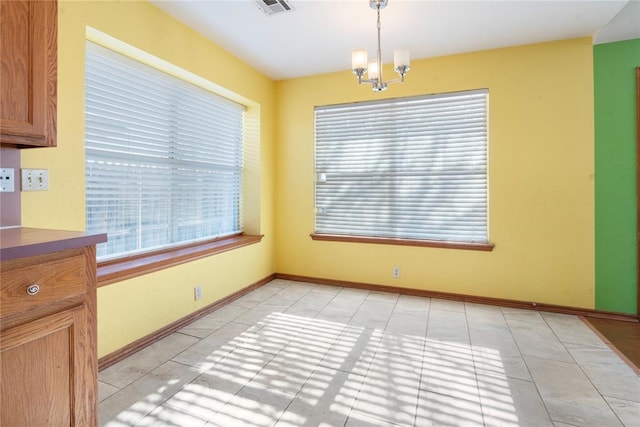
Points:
(401, 60)
(373, 72)
(359, 59)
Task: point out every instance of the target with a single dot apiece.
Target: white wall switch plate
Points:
(7, 180)
(35, 179)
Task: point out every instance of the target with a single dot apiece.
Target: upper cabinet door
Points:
(28, 77)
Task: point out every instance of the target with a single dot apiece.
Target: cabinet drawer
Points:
(57, 280)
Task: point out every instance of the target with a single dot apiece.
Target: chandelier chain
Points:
(380, 80)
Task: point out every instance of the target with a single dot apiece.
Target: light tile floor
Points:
(298, 354)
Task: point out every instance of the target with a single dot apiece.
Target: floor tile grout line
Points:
(515, 341)
(475, 366)
(361, 383)
(356, 310)
(200, 372)
(316, 368)
(586, 375)
(588, 379)
(241, 388)
(364, 378)
(309, 376)
(620, 398)
(424, 351)
(373, 357)
(108, 383)
(324, 306)
(156, 404)
(249, 380)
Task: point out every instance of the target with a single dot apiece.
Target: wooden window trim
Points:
(120, 269)
(487, 247)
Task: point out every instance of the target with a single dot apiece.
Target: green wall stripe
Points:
(615, 171)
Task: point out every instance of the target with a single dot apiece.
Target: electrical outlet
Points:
(197, 293)
(7, 180)
(396, 272)
(35, 179)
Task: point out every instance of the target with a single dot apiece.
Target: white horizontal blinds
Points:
(163, 157)
(412, 168)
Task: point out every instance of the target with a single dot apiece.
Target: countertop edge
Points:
(21, 242)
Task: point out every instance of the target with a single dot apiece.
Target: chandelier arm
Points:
(399, 80)
(372, 81)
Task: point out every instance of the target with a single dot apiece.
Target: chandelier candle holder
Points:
(373, 68)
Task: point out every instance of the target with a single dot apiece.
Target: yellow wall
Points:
(540, 178)
(134, 308)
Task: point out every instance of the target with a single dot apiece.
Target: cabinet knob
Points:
(33, 289)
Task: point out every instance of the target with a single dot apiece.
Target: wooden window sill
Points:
(126, 268)
(487, 247)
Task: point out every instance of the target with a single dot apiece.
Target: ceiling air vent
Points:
(273, 7)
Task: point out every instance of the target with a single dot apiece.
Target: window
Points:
(409, 168)
(163, 157)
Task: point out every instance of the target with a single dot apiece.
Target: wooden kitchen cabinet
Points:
(48, 354)
(40, 370)
(28, 73)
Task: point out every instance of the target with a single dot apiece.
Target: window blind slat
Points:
(404, 168)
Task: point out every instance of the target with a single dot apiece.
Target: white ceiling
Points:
(625, 26)
(318, 35)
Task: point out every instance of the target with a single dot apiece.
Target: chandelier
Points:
(373, 68)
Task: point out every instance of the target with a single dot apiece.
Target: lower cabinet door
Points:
(38, 369)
